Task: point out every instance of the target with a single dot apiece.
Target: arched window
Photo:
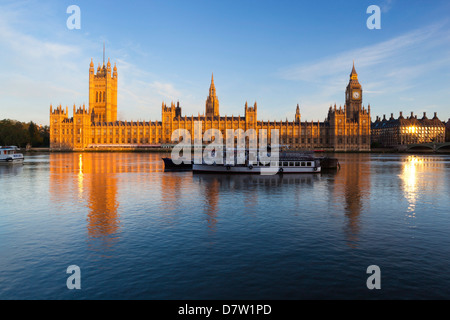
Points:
(96, 97)
(104, 96)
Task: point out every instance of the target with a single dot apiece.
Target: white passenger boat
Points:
(286, 164)
(9, 155)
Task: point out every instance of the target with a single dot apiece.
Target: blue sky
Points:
(278, 53)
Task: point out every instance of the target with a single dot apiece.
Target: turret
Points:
(115, 71)
(212, 103)
(297, 114)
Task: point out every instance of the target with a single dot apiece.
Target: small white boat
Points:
(9, 155)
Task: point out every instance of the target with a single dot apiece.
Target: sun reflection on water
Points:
(413, 176)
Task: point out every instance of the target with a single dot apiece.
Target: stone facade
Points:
(344, 129)
(410, 130)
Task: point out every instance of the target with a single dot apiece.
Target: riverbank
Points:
(168, 150)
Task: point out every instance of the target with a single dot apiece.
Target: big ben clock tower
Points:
(353, 96)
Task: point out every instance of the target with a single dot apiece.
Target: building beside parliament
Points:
(410, 130)
(345, 128)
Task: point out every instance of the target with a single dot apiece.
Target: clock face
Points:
(356, 95)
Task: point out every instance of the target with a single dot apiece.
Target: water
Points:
(139, 233)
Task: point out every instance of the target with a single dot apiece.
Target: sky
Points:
(277, 53)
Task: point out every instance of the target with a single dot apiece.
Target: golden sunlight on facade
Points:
(410, 130)
(95, 127)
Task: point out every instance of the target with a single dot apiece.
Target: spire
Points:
(212, 103)
(354, 74)
(212, 88)
(103, 53)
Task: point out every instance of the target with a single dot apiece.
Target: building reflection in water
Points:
(352, 184)
(94, 178)
(171, 196)
(212, 186)
(211, 203)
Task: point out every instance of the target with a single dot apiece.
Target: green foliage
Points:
(16, 133)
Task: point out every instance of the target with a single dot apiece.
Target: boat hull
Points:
(169, 165)
(252, 170)
(329, 163)
(11, 161)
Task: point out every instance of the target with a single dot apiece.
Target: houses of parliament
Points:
(95, 127)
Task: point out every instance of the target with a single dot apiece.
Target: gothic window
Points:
(96, 96)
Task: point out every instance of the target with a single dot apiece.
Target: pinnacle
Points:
(353, 70)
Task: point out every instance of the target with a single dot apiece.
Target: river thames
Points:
(137, 232)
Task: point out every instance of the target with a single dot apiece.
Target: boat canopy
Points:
(9, 148)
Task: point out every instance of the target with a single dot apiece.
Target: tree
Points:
(16, 133)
